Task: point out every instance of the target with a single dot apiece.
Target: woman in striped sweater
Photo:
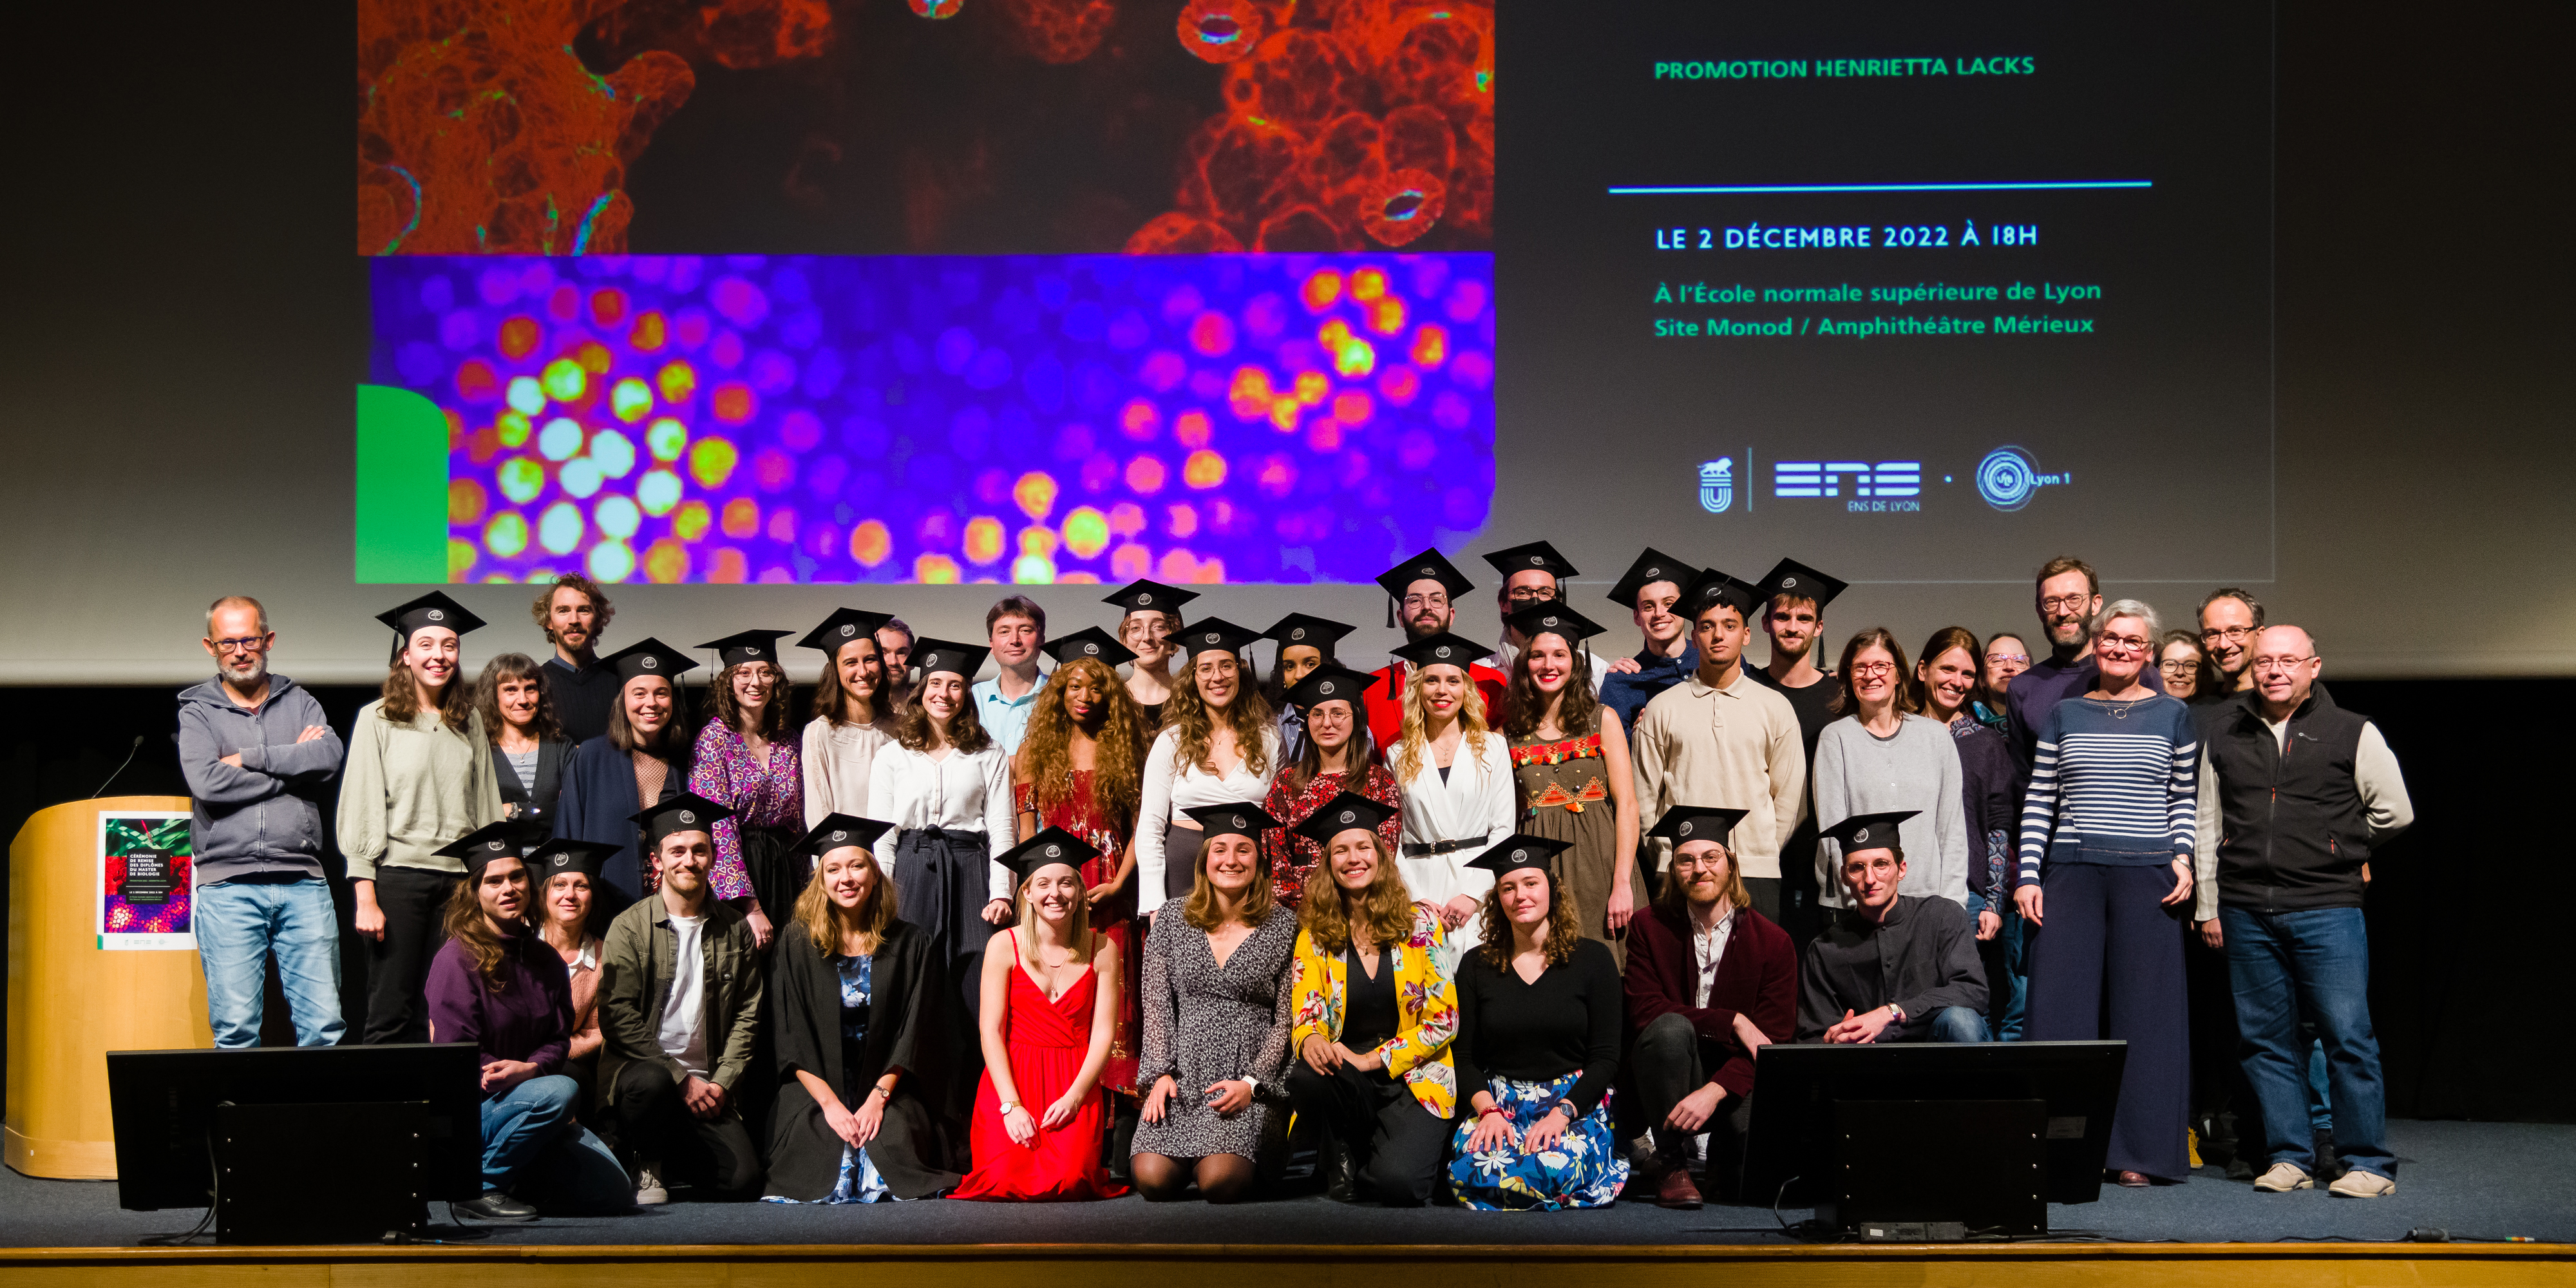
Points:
(2106, 844)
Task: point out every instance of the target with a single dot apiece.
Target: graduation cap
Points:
(1651, 567)
(1868, 831)
(1327, 683)
(1683, 824)
(1536, 555)
(432, 609)
(1346, 812)
(563, 855)
(1430, 565)
(839, 830)
(1054, 845)
(1310, 632)
(1517, 851)
(648, 657)
(686, 812)
(962, 660)
(1214, 635)
(1089, 642)
(1233, 820)
(478, 848)
(1445, 649)
(747, 646)
(843, 626)
(1149, 597)
(1554, 619)
(1712, 588)
(1797, 580)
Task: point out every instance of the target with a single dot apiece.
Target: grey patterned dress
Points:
(1205, 1022)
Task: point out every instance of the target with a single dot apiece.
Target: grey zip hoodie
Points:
(266, 816)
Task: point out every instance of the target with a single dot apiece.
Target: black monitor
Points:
(1799, 1090)
(164, 1105)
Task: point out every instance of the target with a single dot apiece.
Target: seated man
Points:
(1708, 982)
(1890, 967)
(679, 1004)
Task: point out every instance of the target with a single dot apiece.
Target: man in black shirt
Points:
(1890, 967)
(574, 613)
(1793, 614)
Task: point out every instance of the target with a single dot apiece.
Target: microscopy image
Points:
(924, 126)
(1195, 419)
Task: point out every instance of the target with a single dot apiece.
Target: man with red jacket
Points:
(1709, 982)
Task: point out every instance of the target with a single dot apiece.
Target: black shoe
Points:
(2329, 1168)
(1341, 1177)
(496, 1206)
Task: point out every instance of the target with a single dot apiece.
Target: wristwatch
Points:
(1008, 1106)
(1897, 1011)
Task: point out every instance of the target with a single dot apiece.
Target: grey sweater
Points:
(266, 816)
(1857, 772)
(410, 789)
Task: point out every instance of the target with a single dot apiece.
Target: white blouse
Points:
(1475, 804)
(1171, 787)
(962, 793)
(837, 760)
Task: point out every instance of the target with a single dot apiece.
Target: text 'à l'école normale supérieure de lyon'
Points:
(1907, 295)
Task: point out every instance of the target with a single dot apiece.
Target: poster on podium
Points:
(146, 881)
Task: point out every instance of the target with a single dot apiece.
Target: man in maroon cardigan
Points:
(1709, 982)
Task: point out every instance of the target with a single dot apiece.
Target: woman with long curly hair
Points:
(497, 985)
(1456, 776)
(747, 761)
(1571, 772)
(1376, 1010)
(419, 776)
(1219, 746)
(1540, 1013)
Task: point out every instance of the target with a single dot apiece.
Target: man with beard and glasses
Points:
(1532, 574)
(260, 760)
(2068, 596)
(1425, 589)
(574, 613)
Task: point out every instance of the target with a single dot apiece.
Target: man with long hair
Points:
(574, 612)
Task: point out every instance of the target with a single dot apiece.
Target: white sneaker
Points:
(649, 1191)
(2281, 1179)
(2358, 1184)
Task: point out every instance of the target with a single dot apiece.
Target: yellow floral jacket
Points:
(1426, 1001)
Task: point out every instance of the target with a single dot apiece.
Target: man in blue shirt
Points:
(1649, 590)
(1017, 627)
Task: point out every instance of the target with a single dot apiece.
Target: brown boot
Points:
(1677, 1191)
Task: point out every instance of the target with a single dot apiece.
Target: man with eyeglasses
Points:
(261, 760)
(1532, 575)
(2295, 795)
(1425, 591)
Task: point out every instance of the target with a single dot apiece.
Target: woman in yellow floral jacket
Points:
(1376, 1010)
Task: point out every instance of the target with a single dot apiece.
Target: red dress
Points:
(1115, 917)
(1048, 1042)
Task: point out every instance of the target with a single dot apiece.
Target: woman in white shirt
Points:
(946, 786)
(1456, 776)
(1219, 746)
(853, 714)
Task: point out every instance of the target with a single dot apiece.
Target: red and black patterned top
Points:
(1293, 857)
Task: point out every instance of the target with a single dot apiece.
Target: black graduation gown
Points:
(1923, 958)
(918, 1143)
(598, 804)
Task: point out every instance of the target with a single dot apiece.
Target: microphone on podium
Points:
(129, 759)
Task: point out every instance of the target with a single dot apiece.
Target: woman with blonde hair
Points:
(1456, 775)
(1217, 1005)
(1375, 1011)
(861, 1016)
(1050, 999)
(1219, 746)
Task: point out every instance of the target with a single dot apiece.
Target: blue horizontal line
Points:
(1882, 187)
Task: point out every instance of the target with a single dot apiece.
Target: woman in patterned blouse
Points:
(746, 762)
(1570, 772)
(1334, 760)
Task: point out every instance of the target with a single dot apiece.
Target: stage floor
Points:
(2477, 1180)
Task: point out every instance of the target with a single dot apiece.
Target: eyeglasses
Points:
(2066, 603)
(2007, 659)
(1864, 670)
(2282, 664)
(1525, 594)
(1426, 601)
(2121, 643)
(2178, 668)
(2231, 634)
(242, 644)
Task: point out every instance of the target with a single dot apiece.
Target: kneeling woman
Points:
(1217, 1009)
(1375, 1013)
(1538, 1044)
(497, 985)
(1051, 988)
(861, 1014)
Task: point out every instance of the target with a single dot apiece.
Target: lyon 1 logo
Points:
(1717, 485)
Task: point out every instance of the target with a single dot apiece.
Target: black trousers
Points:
(654, 1125)
(1395, 1144)
(414, 902)
(1766, 896)
(1670, 1061)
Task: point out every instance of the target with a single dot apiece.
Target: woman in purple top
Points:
(497, 985)
(747, 761)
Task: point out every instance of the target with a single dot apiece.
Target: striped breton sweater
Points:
(2112, 783)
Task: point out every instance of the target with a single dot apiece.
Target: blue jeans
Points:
(238, 924)
(2012, 987)
(2283, 966)
(1954, 1024)
(534, 1149)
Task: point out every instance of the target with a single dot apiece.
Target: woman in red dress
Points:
(1050, 998)
(1335, 759)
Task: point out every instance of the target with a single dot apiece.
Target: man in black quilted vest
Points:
(2295, 793)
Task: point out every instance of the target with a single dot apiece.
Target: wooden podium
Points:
(71, 1002)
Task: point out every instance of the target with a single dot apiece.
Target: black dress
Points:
(919, 1145)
